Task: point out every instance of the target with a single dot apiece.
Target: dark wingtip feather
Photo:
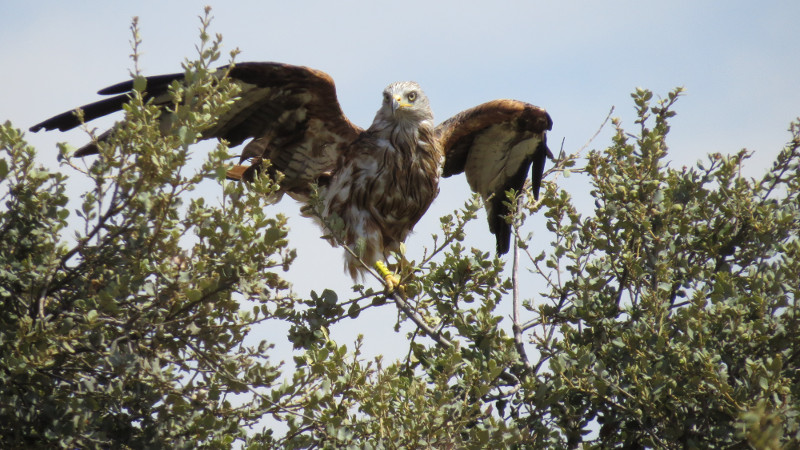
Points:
(497, 222)
(69, 120)
(503, 237)
(119, 88)
(539, 160)
(86, 150)
(156, 84)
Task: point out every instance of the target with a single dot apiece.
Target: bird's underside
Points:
(378, 181)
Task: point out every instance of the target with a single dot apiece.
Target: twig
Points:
(557, 168)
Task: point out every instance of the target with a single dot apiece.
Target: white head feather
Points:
(404, 103)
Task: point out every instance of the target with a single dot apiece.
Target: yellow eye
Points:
(412, 96)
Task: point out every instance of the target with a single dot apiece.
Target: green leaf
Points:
(194, 294)
(139, 83)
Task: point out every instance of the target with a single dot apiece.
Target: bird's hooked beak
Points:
(397, 103)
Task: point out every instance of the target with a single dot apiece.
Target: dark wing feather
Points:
(291, 112)
(69, 120)
(157, 84)
(495, 144)
(156, 87)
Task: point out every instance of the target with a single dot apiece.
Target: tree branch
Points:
(515, 313)
(419, 321)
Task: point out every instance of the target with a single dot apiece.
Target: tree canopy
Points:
(667, 315)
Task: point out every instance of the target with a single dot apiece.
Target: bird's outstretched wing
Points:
(291, 112)
(495, 144)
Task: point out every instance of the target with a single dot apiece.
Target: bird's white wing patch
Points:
(495, 156)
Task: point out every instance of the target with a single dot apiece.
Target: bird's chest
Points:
(400, 182)
(395, 185)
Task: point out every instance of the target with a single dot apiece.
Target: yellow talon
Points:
(236, 172)
(392, 279)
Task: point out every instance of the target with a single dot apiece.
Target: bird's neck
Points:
(406, 136)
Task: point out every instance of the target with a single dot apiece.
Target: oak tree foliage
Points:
(666, 315)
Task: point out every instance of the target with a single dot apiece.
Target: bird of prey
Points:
(378, 181)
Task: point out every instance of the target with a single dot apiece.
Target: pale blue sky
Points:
(738, 60)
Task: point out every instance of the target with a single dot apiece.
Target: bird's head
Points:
(404, 101)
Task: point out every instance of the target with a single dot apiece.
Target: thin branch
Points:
(516, 303)
(419, 321)
(577, 153)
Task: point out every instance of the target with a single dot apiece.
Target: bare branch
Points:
(516, 303)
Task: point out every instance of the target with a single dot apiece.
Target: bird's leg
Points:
(392, 279)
